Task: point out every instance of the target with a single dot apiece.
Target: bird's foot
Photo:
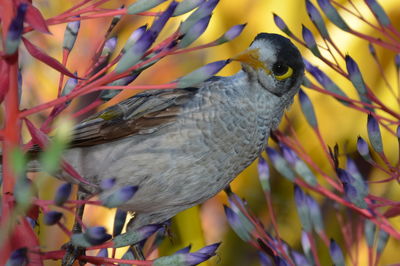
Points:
(71, 254)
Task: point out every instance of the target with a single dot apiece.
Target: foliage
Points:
(344, 191)
(107, 75)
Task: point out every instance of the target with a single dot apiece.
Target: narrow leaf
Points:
(36, 20)
(48, 60)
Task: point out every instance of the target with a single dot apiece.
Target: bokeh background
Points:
(207, 224)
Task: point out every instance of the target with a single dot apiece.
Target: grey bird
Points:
(183, 146)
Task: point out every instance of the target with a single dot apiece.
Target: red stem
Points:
(275, 225)
(10, 141)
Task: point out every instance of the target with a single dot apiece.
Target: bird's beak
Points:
(251, 57)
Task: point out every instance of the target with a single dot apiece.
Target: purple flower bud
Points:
(186, 6)
(69, 85)
(272, 154)
(352, 167)
(279, 261)
(210, 249)
(71, 33)
(332, 14)
(103, 253)
(159, 24)
(201, 255)
(62, 194)
(15, 30)
(18, 257)
(344, 176)
(374, 134)
(33, 223)
(194, 258)
(378, 12)
(359, 182)
(120, 196)
(354, 190)
(315, 214)
(302, 208)
(52, 217)
(108, 183)
(96, 235)
(109, 46)
(236, 224)
(280, 164)
(288, 154)
(299, 166)
(324, 80)
(336, 254)
(194, 33)
(398, 132)
(352, 67)
(281, 24)
(369, 232)
(134, 37)
(136, 51)
(143, 5)
(397, 61)
(184, 250)
(265, 260)
(383, 238)
(317, 19)
(235, 31)
(263, 173)
(135, 236)
(362, 147)
(205, 9)
(231, 34)
(299, 259)
(305, 242)
(308, 109)
(357, 79)
(372, 49)
(148, 230)
(299, 196)
(119, 221)
(308, 37)
(201, 74)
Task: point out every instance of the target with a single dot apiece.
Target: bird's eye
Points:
(282, 71)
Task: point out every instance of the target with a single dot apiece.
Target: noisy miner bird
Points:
(183, 146)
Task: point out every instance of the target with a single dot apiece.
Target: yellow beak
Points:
(251, 57)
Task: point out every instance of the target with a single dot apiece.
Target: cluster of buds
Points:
(344, 190)
(110, 71)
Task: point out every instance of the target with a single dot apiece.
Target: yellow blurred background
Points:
(207, 224)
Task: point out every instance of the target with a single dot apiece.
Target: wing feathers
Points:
(144, 113)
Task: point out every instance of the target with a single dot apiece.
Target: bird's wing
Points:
(143, 113)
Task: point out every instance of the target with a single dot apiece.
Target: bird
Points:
(183, 146)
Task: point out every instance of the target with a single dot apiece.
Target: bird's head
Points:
(274, 62)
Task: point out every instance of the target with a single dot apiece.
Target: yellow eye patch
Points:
(285, 74)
